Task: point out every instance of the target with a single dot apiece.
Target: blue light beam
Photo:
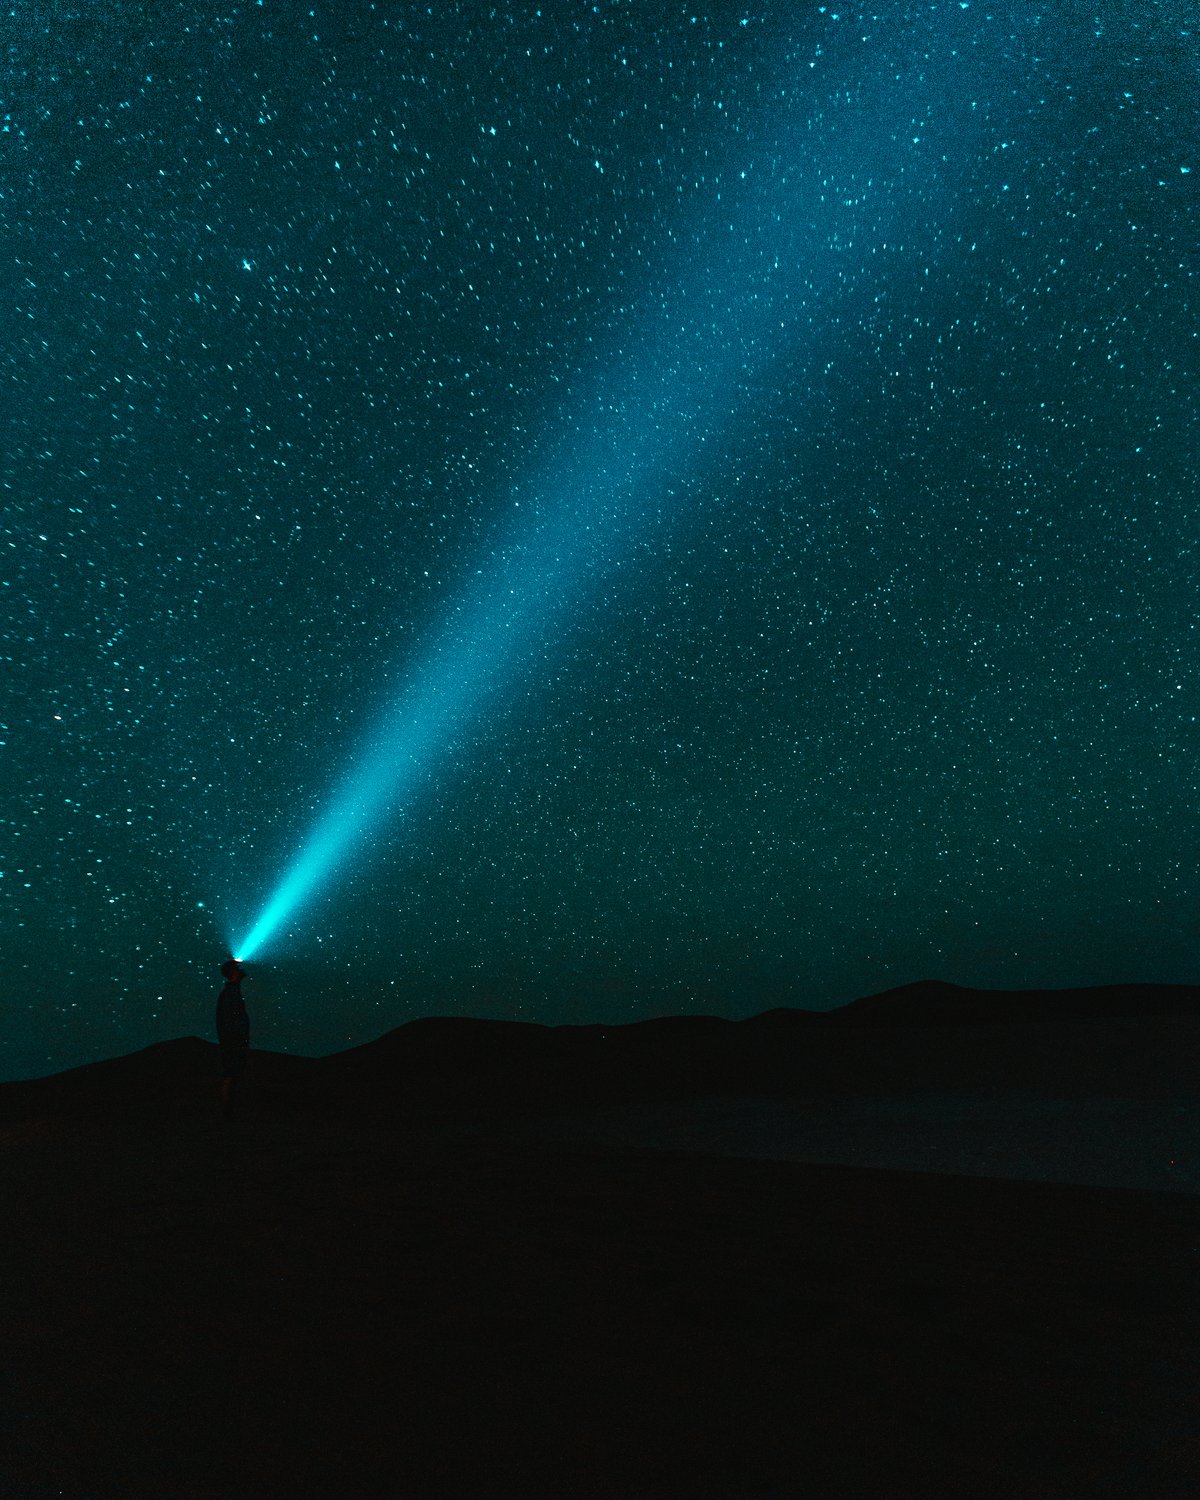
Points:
(757, 276)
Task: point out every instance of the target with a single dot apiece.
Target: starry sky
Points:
(774, 426)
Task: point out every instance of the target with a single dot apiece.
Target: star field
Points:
(835, 367)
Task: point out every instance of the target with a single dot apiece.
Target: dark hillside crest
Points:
(926, 1034)
(934, 1002)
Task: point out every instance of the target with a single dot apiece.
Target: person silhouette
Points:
(233, 1033)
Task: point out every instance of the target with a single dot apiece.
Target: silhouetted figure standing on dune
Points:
(233, 1032)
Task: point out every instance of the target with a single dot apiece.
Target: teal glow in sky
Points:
(678, 384)
(517, 512)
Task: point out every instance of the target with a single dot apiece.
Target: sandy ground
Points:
(306, 1303)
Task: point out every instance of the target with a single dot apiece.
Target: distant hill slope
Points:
(1130, 1040)
(932, 1002)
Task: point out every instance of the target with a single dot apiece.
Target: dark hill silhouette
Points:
(933, 1002)
(1122, 1040)
(1131, 1041)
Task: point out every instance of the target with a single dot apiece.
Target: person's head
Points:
(233, 971)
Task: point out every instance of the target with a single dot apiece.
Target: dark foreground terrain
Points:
(341, 1292)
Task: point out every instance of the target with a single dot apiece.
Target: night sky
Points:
(772, 430)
